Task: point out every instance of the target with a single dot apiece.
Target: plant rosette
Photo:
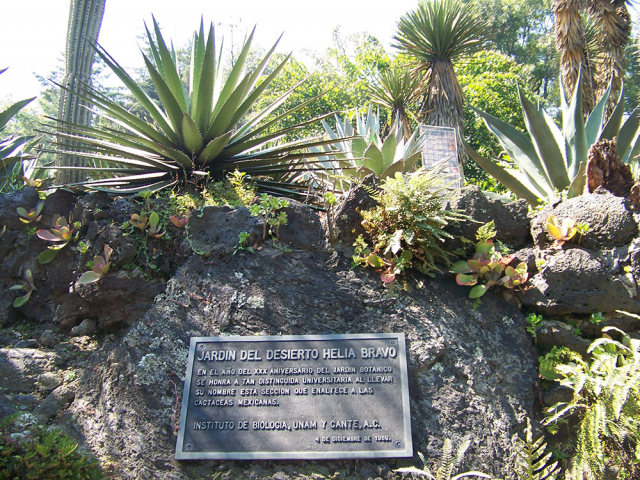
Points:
(100, 267)
(61, 234)
(488, 266)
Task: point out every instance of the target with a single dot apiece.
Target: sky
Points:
(33, 32)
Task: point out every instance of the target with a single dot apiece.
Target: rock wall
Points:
(471, 370)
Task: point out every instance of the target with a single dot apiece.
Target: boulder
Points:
(471, 371)
(611, 223)
(579, 280)
(510, 218)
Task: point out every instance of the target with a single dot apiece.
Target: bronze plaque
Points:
(296, 397)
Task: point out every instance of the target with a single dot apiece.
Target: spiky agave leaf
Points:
(196, 126)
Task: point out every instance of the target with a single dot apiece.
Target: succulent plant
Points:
(61, 234)
(205, 127)
(32, 215)
(488, 268)
(551, 160)
(99, 267)
(28, 287)
(361, 151)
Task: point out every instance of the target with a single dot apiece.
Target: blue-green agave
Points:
(361, 151)
(550, 160)
(204, 127)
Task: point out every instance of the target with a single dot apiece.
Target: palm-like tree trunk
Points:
(443, 101)
(85, 18)
(571, 43)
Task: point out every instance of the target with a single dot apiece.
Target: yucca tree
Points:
(433, 36)
(396, 90)
(204, 127)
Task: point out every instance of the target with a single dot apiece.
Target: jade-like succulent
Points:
(61, 234)
(488, 268)
(99, 267)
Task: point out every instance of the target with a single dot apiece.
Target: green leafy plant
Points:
(551, 160)
(533, 322)
(487, 268)
(267, 209)
(406, 228)
(99, 267)
(531, 461)
(448, 462)
(596, 318)
(82, 247)
(606, 399)
(154, 227)
(48, 454)
(28, 287)
(243, 243)
(13, 148)
(60, 235)
(557, 356)
(32, 215)
(204, 127)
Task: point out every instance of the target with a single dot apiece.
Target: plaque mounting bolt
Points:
(393, 342)
(189, 447)
(397, 444)
(201, 346)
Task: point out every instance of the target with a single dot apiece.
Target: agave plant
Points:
(199, 128)
(550, 161)
(361, 151)
(12, 149)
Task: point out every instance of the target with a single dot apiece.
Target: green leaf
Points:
(373, 160)
(628, 136)
(47, 256)
(169, 70)
(375, 261)
(214, 148)
(478, 291)
(89, 277)
(543, 133)
(463, 279)
(574, 129)
(192, 135)
(11, 111)
(388, 151)
(460, 266)
(20, 301)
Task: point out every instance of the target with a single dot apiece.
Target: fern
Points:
(606, 397)
(448, 463)
(531, 462)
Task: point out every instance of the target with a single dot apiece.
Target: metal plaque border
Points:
(407, 451)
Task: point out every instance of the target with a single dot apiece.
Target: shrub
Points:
(406, 228)
(49, 454)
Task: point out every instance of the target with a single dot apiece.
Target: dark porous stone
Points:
(555, 333)
(610, 221)
(348, 219)
(215, 230)
(460, 359)
(510, 218)
(557, 393)
(26, 198)
(89, 206)
(56, 401)
(303, 229)
(577, 280)
(21, 368)
(60, 202)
